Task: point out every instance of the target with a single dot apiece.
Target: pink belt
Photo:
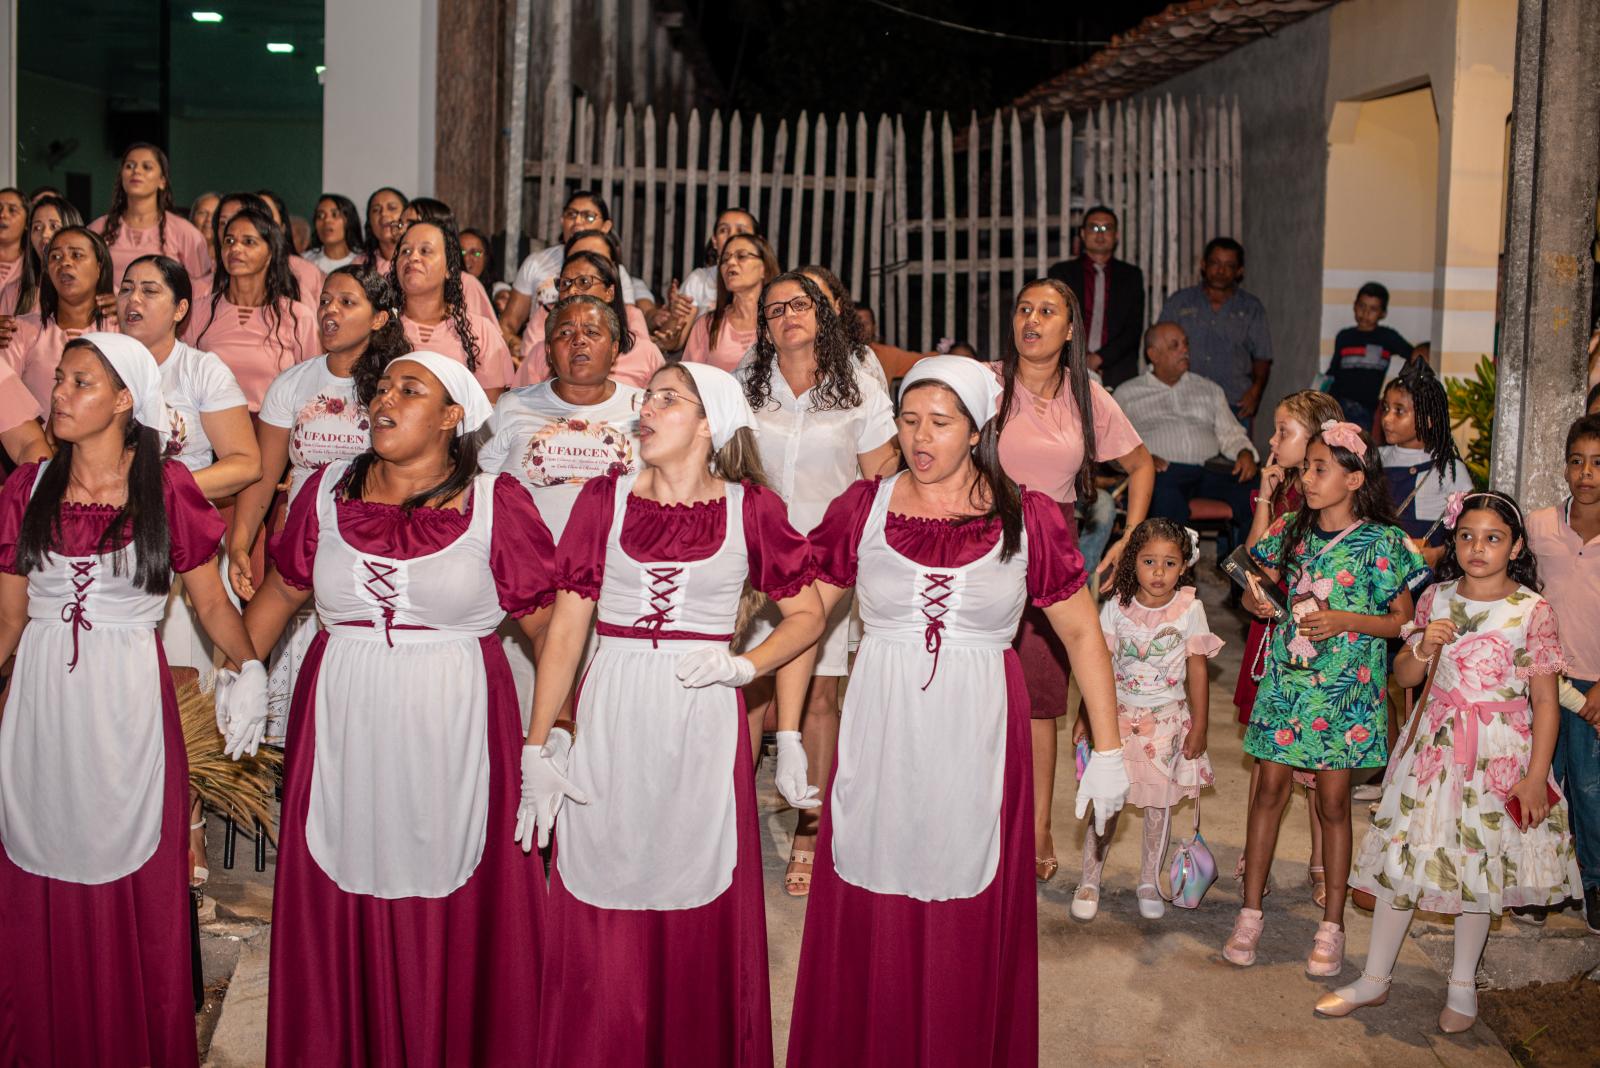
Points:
(1469, 717)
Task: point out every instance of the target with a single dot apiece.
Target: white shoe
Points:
(1086, 903)
(1151, 907)
(1371, 791)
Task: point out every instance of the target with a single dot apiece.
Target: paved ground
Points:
(1119, 991)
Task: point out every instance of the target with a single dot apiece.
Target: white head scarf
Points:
(726, 408)
(140, 374)
(970, 380)
(459, 383)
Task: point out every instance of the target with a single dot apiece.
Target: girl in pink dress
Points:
(919, 956)
(252, 319)
(657, 950)
(142, 220)
(404, 931)
(94, 783)
(722, 337)
(427, 272)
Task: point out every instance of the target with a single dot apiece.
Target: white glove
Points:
(1105, 782)
(558, 748)
(791, 776)
(712, 666)
(219, 697)
(246, 706)
(544, 788)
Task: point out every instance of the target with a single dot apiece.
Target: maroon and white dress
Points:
(916, 954)
(656, 949)
(94, 799)
(406, 922)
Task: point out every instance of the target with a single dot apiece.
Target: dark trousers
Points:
(1180, 483)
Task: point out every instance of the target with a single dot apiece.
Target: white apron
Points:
(399, 801)
(82, 759)
(919, 774)
(656, 760)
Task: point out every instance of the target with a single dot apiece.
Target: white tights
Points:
(1157, 824)
(1389, 931)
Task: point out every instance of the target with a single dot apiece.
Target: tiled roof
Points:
(1164, 45)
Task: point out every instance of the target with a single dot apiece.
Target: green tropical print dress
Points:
(1322, 705)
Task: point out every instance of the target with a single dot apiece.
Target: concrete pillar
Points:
(1555, 170)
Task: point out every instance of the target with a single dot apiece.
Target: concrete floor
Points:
(1119, 991)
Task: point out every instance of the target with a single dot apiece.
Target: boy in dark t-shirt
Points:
(1361, 356)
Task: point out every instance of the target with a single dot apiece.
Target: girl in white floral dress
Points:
(1445, 838)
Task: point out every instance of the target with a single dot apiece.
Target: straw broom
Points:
(243, 788)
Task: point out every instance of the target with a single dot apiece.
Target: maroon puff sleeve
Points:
(1055, 566)
(581, 556)
(521, 552)
(294, 548)
(13, 502)
(780, 556)
(836, 540)
(194, 528)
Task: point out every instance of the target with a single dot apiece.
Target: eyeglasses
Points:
(573, 215)
(777, 310)
(661, 399)
(1100, 228)
(580, 283)
(740, 256)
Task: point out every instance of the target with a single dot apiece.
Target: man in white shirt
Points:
(1199, 447)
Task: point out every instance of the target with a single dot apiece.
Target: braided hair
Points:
(836, 385)
(119, 197)
(1125, 583)
(455, 301)
(1430, 408)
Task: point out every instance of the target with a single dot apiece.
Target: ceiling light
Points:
(281, 48)
(320, 68)
(208, 16)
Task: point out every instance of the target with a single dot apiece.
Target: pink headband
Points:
(1346, 436)
(1456, 503)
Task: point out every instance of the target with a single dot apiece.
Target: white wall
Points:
(378, 96)
(8, 92)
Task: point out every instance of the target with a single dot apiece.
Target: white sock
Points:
(1388, 933)
(1472, 934)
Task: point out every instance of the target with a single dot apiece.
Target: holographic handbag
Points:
(1193, 868)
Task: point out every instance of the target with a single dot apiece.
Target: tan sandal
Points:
(798, 883)
(1044, 868)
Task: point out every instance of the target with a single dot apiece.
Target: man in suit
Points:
(1112, 295)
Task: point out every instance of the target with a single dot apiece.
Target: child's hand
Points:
(1255, 602)
(1272, 475)
(1591, 707)
(1194, 743)
(1080, 730)
(1535, 800)
(1324, 624)
(1437, 635)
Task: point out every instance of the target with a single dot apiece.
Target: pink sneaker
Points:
(1327, 950)
(1240, 948)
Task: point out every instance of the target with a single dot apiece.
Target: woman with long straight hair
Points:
(47, 215)
(384, 226)
(307, 275)
(406, 926)
(13, 247)
(722, 336)
(929, 956)
(656, 952)
(1055, 425)
(336, 226)
(77, 294)
(592, 274)
(427, 273)
(821, 424)
(94, 784)
(143, 218)
(253, 319)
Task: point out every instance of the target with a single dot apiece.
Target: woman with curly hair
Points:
(820, 425)
(723, 336)
(254, 319)
(143, 218)
(427, 273)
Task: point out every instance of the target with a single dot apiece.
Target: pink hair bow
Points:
(1344, 435)
(1453, 508)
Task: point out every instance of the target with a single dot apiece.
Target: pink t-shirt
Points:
(495, 366)
(310, 277)
(247, 340)
(730, 348)
(1570, 568)
(184, 243)
(1041, 447)
(477, 298)
(10, 285)
(34, 353)
(632, 368)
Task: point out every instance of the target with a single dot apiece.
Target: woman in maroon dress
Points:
(657, 944)
(404, 932)
(94, 783)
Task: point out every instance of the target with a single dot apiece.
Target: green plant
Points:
(1472, 405)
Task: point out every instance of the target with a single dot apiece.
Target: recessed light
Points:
(280, 47)
(207, 16)
(320, 68)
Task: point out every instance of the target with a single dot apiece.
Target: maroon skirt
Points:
(892, 982)
(406, 981)
(1244, 692)
(101, 974)
(669, 987)
(1044, 658)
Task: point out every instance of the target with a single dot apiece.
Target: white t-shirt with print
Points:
(553, 447)
(546, 263)
(320, 411)
(195, 383)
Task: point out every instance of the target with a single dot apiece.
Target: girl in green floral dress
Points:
(1321, 705)
(1445, 838)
